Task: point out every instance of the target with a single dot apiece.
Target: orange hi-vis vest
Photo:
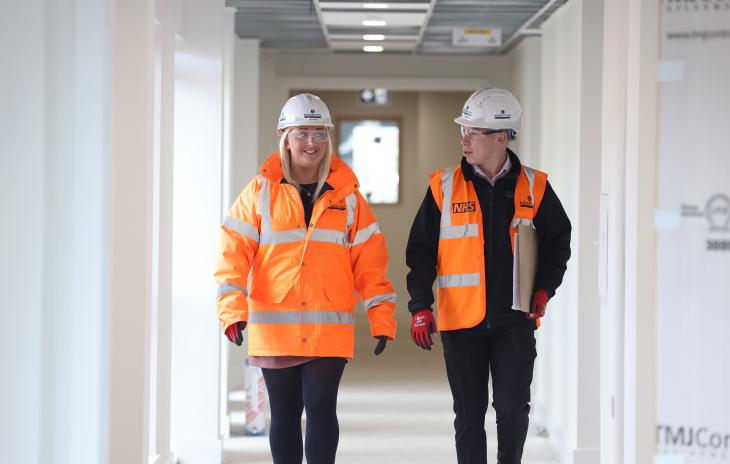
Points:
(303, 279)
(461, 296)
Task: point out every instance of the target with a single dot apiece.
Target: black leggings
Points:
(312, 385)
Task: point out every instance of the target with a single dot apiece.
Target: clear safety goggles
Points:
(476, 133)
(301, 135)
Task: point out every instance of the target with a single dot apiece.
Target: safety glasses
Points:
(476, 133)
(301, 135)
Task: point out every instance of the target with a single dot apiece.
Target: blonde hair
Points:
(322, 172)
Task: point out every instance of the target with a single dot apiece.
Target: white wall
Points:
(22, 83)
(526, 85)
(87, 263)
(560, 158)
(55, 257)
(559, 74)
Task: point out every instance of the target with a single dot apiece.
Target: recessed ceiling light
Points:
(375, 6)
(373, 37)
(373, 22)
(372, 48)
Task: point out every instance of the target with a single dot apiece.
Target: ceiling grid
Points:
(424, 27)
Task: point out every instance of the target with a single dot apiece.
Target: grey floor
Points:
(395, 408)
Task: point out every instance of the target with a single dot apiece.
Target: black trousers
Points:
(312, 386)
(509, 353)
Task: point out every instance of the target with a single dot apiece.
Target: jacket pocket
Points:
(270, 292)
(340, 294)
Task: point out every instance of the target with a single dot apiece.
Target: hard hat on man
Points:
(492, 108)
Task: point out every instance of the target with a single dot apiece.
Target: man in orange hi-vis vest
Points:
(310, 241)
(463, 237)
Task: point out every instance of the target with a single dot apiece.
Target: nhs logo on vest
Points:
(465, 207)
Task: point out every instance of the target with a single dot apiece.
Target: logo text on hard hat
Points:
(312, 115)
(503, 115)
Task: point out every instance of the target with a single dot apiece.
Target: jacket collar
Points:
(341, 179)
(468, 170)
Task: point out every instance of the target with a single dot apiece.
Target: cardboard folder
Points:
(524, 268)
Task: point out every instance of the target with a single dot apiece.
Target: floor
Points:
(395, 408)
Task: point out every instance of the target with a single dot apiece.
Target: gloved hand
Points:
(422, 326)
(234, 332)
(382, 340)
(538, 304)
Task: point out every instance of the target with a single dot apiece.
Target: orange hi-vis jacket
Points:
(303, 279)
(461, 295)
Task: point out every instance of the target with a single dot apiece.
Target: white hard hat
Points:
(491, 109)
(304, 109)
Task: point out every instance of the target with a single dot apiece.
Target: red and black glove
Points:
(234, 332)
(538, 304)
(422, 326)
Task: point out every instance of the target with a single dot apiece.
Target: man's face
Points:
(481, 145)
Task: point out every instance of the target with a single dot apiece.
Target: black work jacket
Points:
(497, 206)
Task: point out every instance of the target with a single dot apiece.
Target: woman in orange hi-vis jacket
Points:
(310, 241)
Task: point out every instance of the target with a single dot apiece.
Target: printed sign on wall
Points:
(693, 222)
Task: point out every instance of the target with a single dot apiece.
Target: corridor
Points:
(130, 127)
(395, 409)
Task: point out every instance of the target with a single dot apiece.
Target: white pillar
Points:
(246, 123)
(167, 23)
(627, 239)
(198, 193)
(641, 179)
(587, 441)
(131, 231)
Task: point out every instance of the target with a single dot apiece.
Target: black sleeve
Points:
(553, 232)
(421, 253)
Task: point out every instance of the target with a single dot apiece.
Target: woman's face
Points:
(307, 146)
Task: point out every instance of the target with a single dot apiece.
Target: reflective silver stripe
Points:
(226, 287)
(521, 222)
(363, 235)
(265, 205)
(285, 236)
(268, 236)
(326, 235)
(447, 187)
(351, 201)
(466, 230)
(530, 173)
(241, 227)
(301, 317)
(377, 299)
(458, 280)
